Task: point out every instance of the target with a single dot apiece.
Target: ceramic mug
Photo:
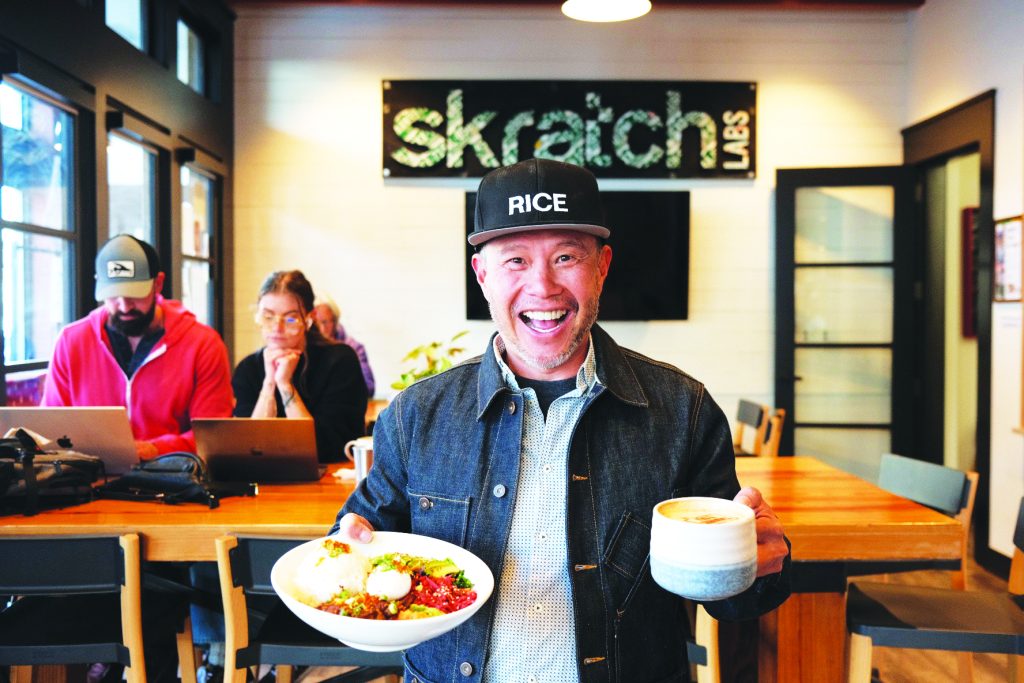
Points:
(360, 452)
(703, 548)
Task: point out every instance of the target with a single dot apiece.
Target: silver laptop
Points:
(102, 431)
(258, 449)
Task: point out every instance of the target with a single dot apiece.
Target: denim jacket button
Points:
(466, 669)
(499, 490)
(425, 503)
(511, 407)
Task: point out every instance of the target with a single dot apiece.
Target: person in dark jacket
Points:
(299, 373)
(563, 442)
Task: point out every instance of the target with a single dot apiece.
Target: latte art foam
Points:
(684, 513)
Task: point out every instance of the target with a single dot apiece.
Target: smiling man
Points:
(546, 455)
(141, 351)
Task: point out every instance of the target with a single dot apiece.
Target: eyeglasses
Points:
(291, 322)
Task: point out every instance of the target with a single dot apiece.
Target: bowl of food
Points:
(386, 595)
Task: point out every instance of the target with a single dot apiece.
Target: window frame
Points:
(200, 165)
(128, 135)
(73, 235)
(146, 11)
(205, 48)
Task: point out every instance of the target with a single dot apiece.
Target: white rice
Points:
(320, 577)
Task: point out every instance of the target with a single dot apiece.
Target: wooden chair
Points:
(919, 617)
(941, 488)
(280, 638)
(750, 417)
(773, 434)
(82, 603)
(705, 636)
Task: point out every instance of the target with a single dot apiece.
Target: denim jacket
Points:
(446, 465)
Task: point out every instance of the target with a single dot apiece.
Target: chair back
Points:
(750, 416)
(63, 576)
(39, 565)
(942, 488)
(244, 564)
(253, 558)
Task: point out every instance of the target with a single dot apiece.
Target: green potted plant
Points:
(429, 359)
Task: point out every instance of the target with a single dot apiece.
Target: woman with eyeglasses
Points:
(299, 373)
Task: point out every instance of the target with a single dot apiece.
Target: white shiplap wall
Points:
(309, 192)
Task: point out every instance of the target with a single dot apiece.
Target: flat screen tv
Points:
(649, 276)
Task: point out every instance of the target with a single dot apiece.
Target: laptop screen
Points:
(103, 431)
(258, 449)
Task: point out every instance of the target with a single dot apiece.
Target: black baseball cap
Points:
(537, 194)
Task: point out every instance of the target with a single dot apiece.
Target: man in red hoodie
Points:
(141, 351)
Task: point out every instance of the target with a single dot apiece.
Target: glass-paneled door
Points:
(844, 296)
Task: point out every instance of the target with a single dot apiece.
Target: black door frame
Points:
(787, 182)
(970, 126)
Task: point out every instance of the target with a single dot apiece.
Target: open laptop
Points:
(258, 449)
(103, 431)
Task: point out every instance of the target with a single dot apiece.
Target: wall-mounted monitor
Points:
(650, 271)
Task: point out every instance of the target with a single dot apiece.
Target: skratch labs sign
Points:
(617, 129)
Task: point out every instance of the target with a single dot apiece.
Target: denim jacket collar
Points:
(612, 371)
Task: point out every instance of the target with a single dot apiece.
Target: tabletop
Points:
(827, 514)
(831, 515)
(831, 518)
(187, 531)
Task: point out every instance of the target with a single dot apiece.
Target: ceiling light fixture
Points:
(605, 10)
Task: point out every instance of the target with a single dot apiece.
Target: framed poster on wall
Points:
(968, 273)
(1007, 264)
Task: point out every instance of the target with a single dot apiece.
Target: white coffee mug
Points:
(360, 452)
(703, 548)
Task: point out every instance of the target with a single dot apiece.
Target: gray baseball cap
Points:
(126, 267)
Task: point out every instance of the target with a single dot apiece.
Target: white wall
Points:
(959, 50)
(960, 414)
(309, 192)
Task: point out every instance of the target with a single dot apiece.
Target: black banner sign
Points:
(617, 129)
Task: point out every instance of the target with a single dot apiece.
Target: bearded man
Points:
(143, 352)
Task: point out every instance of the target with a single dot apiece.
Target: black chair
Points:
(81, 603)
(919, 617)
(260, 629)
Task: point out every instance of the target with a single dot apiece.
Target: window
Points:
(197, 229)
(37, 225)
(127, 18)
(191, 58)
(131, 184)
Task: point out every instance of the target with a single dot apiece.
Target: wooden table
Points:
(835, 521)
(187, 531)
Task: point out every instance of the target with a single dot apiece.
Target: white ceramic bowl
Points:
(382, 635)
